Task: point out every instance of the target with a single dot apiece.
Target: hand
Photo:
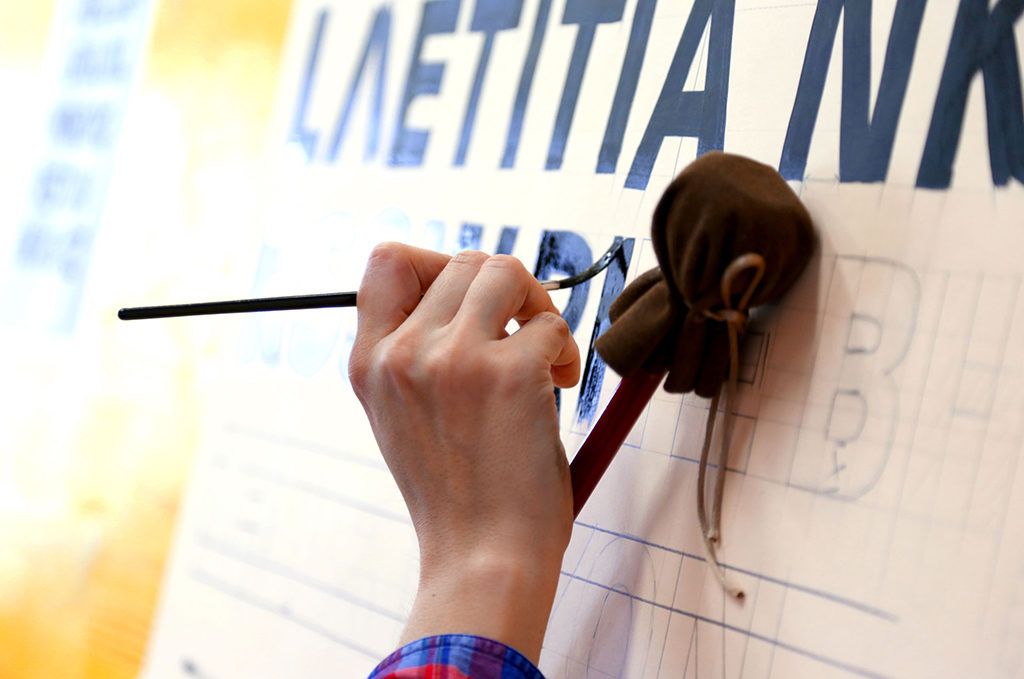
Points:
(465, 417)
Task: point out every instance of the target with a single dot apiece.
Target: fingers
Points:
(546, 336)
(503, 290)
(394, 282)
(445, 297)
(480, 293)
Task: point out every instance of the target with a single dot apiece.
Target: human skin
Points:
(465, 417)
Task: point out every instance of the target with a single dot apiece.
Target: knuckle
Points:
(503, 260)
(385, 259)
(396, 358)
(506, 263)
(553, 321)
(440, 364)
(447, 372)
(469, 258)
(457, 362)
(386, 252)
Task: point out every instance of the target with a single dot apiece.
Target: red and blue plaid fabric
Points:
(456, 656)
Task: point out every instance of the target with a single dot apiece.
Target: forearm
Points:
(498, 595)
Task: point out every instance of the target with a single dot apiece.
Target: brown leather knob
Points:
(719, 208)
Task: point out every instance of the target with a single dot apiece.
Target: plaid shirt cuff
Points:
(456, 656)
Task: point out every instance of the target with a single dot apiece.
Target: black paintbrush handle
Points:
(326, 300)
(237, 306)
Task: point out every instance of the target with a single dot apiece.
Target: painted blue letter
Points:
(376, 45)
(593, 368)
(507, 240)
(984, 41)
(302, 135)
(865, 141)
(611, 147)
(691, 114)
(409, 144)
(587, 14)
(515, 124)
(470, 236)
(489, 17)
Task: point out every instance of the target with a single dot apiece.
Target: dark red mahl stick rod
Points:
(608, 435)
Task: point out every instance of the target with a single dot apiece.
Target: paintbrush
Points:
(324, 300)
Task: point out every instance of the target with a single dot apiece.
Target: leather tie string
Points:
(735, 318)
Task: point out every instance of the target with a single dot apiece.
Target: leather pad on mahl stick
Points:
(720, 207)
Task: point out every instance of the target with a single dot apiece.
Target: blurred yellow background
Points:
(85, 542)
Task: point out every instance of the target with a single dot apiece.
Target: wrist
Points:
(501, 594)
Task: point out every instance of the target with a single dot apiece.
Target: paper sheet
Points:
(874, 499)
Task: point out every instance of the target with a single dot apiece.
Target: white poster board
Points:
(874, 510)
